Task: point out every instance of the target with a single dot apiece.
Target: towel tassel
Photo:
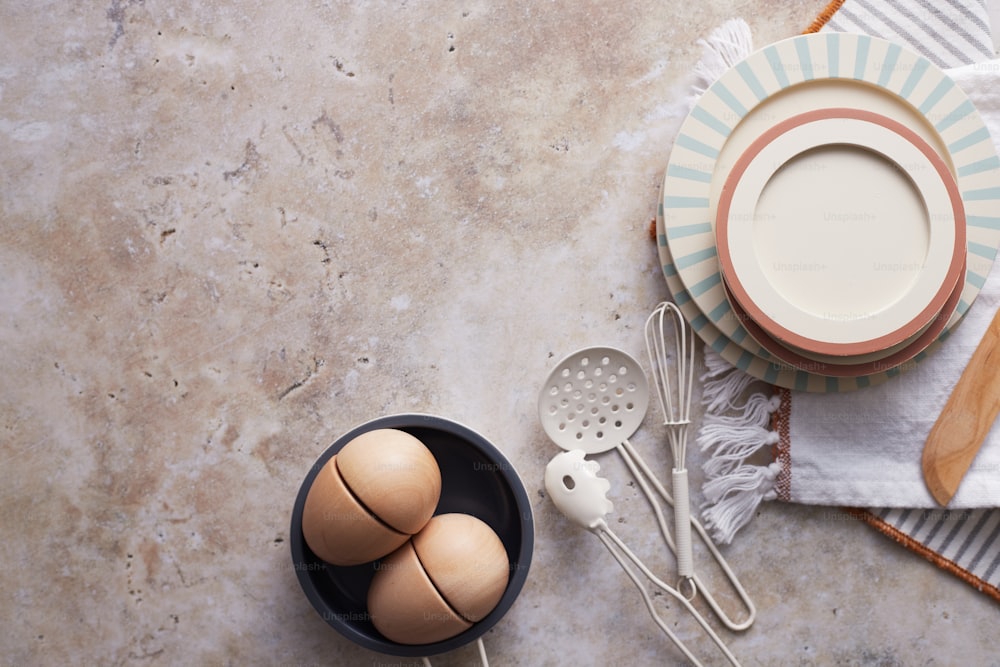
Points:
(732, 433)
(724, 47)
(733, 499)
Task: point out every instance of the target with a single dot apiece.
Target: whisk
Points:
(674, 390)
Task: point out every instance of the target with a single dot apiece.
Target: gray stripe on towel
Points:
(992, 570)
(960, 37)
(963, 56)
(920, 42)
(977, 20)
(973, 533)
(987, 544)
(945, 543)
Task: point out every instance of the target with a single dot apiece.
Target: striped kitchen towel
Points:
(956, 36)
(951, 34)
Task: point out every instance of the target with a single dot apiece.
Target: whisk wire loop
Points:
(674, 389)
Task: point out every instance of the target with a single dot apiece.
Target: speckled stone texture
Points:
(233, 231)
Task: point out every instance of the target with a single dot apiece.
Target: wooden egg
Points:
(338, 528)
(394, 475)
(466, 561)
(405, 606)
(366, 501)
(446, 577)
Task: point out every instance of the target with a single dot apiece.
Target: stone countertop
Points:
(233, 232)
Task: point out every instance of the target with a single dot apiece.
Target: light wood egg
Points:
(394, 475)
(405, 606)
(458, 570)
(466, 561)
(366, 501)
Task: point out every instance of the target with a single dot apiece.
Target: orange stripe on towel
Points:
(782, 451)
(824, 16)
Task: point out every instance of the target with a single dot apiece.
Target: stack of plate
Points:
(830, 210)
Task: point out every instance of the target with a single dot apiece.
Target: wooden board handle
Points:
(966, 419)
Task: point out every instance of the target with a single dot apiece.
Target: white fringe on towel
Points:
(721, 385)
(732, 434)
(725, 46)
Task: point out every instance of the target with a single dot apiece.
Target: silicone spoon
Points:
(579, 492)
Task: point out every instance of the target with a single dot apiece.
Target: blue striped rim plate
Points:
(787, 78)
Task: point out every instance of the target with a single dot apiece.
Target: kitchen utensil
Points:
(594, 400)
(779, 81)
(966, 418)
(673, 388)
(579, 492)
(840, 231)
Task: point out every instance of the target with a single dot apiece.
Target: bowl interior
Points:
(476, 479)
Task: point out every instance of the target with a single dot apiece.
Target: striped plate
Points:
(795, 75)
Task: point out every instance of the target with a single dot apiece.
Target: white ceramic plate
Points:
(840, 232)
(781, 80)
(863, 365)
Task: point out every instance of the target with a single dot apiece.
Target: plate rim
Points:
(922, 341)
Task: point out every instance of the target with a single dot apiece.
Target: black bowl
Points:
(476, 479)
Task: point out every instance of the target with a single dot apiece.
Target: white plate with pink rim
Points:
(840, 232)
(782, 80)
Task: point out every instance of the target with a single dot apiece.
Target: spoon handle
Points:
(646, 598)
(611, 540)
(636, 464)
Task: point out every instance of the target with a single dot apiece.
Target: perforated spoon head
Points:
(593, 400)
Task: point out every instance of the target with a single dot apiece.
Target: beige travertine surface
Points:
(233, 231)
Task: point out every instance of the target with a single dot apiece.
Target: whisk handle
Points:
(682, 524)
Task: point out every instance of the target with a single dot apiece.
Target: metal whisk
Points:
(673, 386)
